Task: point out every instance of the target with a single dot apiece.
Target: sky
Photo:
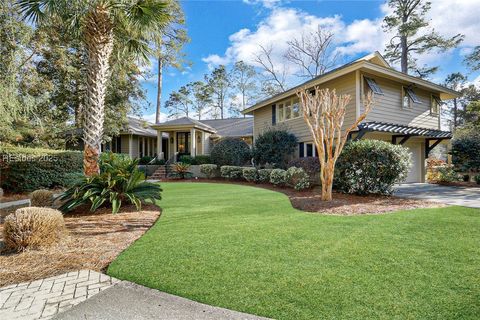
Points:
(222, 32)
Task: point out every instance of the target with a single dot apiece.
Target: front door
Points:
(183, 143)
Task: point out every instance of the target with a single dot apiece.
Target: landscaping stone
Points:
(44, 298)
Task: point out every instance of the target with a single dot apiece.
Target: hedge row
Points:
(27, 169)
(293, 177)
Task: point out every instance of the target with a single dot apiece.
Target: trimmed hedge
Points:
(278, 177)
(371, 167)
(210, 170)
(311, 165)
(297, 178)
(250, 174)
(28, 169)
(231, 172)
(264, 175)
(198, 160)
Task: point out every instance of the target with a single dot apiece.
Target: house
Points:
(187, 136)
(136, 139)
(406, 109)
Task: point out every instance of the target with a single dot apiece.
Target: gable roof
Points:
(373, 63)
(183, 122)
(139, 127)
(233, 127)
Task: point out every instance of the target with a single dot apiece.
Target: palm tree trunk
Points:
(99, 43)
(159, 89)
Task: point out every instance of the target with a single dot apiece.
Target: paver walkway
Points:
(460, 196)
(42, 299)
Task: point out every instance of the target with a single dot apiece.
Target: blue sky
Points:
(227, 31)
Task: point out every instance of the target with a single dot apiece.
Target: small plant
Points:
(447, 174)
(297, 178)
(477, 178)
(277, 177)
(264, 175)
(41, 198)
(32, 227)
(250, 174)
(119, 181)
(181, 170)
(231, 172)
(210, 170)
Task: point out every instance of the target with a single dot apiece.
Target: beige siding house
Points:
(406, 109)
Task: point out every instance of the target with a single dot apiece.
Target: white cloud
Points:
(151, 117)
(448, 17)
(269, 4)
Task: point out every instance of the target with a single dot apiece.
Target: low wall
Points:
(195, 170)
(149, 169)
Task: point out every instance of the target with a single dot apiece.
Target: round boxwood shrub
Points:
(274, 147)
(231, 172)
(210, 170)
(264, 175)
(297, 178)
(250, 174)
(371, 167)
(277, 177)
(230, 152)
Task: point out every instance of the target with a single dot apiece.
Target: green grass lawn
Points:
(247, 249)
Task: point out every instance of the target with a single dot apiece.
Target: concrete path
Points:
(461, 196)
(42, 299)
(127, 300)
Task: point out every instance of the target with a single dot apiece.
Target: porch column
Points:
(174, 143)
(159, 145)
(130, 146)
(203, 142)
(193, 143)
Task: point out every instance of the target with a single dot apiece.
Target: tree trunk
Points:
(99, 43)
(159, 89)
(455, 113)
(404, 57)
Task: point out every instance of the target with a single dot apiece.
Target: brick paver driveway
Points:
(44, 298)
(461, 196)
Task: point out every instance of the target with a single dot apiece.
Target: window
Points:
(435, 103)
(289, 109)
(372, 84)
(281, 113)
(409, 92)
(409, 98)
(307, 149)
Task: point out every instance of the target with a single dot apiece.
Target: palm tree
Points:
(125, 27)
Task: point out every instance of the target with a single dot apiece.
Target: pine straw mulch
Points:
(342, 204)
(93, 242)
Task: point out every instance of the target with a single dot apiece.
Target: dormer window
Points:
(409, 98)
(372, 84)
(435, 104)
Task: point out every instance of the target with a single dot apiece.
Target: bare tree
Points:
(275, 76)
(324, 113)
(313, 52)
(243, 79)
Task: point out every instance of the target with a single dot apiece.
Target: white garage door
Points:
(415, 174)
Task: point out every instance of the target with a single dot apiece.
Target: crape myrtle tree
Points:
(324, 113)
(126, 27)
(413, 35)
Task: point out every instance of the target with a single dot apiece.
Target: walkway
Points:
(460, 196)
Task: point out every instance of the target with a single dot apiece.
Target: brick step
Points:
(161, 172)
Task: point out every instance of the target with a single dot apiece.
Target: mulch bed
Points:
(342, 204)
(93, 242)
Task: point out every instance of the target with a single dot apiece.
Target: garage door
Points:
(415, 173)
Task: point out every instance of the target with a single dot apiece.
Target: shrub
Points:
(181, 170)
(231, 172)
(274, 147)
(277, 177)
(230, 152)
(465, 151)
(145, 160)
(119, 181)
(264, 175)
(477, 178)
(448, 174)
(433, 164)
(311, 165)
(250, 174)
(198, 160)
(28, 169)
(41, 198)
(297, 178)
(371, 167)
(210, 170)
(32, 227)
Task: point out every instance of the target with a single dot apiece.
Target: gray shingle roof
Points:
(234, 127)
(187, 122)
(140, 127)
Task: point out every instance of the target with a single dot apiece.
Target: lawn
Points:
(247, 249)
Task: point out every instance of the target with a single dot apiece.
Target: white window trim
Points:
(410, 101)
(305, 149)
(284, 103)
(438, 102)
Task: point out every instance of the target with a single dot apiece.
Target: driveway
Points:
(460, 196)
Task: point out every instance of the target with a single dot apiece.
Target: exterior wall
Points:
(343, 85)
(388, 107)
(125, 143)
